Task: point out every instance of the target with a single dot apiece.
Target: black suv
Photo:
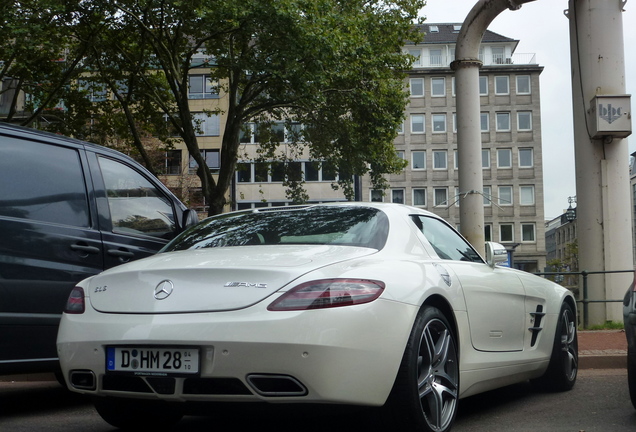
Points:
(68, 210)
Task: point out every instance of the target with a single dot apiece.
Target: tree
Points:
(569, 263)
(335, 66)
(42, 45)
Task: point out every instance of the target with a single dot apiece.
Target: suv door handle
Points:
(123, 254)
(85, 248)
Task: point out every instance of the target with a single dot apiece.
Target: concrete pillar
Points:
(466, 67)
(602, 165)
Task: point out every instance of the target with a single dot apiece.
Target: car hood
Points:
(209, 280)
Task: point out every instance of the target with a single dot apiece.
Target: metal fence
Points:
(585, 300)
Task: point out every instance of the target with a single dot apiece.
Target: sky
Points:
(542, 28)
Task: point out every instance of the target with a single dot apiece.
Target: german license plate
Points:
(153, 360)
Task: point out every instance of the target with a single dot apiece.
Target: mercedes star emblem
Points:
(164, 289)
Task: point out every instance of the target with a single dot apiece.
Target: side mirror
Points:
(495, 253)
(190, 218)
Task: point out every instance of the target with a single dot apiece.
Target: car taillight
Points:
(75, 303)
(328, 293)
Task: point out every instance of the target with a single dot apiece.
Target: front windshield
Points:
(336, 225)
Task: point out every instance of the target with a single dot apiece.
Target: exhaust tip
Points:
(82, 379)
(276, 385)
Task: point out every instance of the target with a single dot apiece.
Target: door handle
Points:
(85, 248)
(120, 253)
(123, 255)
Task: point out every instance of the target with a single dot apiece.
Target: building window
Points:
(400, 128)
(212, 159)
(435, 56)
(419, 197)
(261, 172)
(485, 158)
(400, 154)
(526, 158)
(526, 195)
(328, 172)
(454, 122)
(440, 196)
(453, 87)
(418, 160)
(504, 158)
(417, 123)
(201, 87)
(277, 172)
(206, 125)
(488, 232)
(173, 162)
(439, 123)
(524, 120)
(244, 172)
(438, 87)
(456, 157)
(506, 233)
(503, 122)
(523, 84)
(397, 196)
(528, 232)
(502, 85)
(247, 133)
(498, 55)
(312, 171)
(377, 195)
(505, 196)
(293, 132)
(96, 92)
(417, 53)
(440, 160)
(273, 133)
(417, 87)
(484, 119)
(487, 196)
(483, 86)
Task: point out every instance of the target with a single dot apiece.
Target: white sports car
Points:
(358, 303)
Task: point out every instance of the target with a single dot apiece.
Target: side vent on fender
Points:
(537, 318)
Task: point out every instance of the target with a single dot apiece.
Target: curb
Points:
(606, 361)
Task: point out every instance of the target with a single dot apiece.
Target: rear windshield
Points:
(348, 226)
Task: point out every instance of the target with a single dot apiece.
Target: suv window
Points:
(42, 182)
(447, 243)
(136, 205)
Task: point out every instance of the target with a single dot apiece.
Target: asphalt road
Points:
(599, 402)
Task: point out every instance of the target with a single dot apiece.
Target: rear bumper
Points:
(343, 355)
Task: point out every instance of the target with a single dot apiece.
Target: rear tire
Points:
(426, 390)
(138, 414)
(564, 362)
(631, 376)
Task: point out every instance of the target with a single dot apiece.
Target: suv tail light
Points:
(328, 293)
(75, 303)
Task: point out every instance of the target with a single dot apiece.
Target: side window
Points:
(447, 243)
(42, 182)
(136, 205)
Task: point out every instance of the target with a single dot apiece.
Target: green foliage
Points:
(42, 44)
(608, 325)
(336, 66)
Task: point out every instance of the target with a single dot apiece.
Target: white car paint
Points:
(344, 355)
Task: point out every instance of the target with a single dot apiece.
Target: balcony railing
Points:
(488, 60)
